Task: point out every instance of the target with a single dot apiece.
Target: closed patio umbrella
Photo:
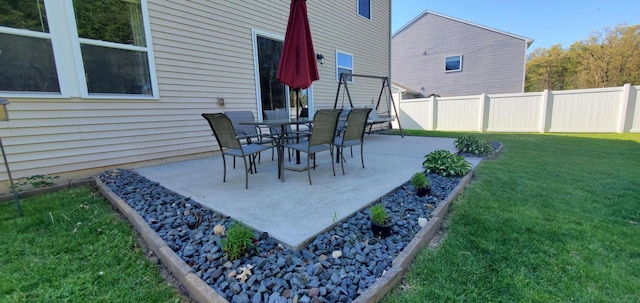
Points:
(297, 67)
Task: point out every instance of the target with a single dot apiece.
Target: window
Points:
(453, 63)
(364, 8)
(113, 46)
(344, 64)
(104, 46)
(26, 53)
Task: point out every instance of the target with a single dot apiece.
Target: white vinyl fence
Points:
(602, 110)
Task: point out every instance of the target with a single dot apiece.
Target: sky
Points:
(547, 22)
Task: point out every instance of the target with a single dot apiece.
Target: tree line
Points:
(607, 58)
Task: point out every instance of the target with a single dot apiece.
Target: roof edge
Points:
(529, 41)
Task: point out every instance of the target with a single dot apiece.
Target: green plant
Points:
(446, 164)
(40, 181)
(239, 240)
(419, 180)
(473, 145)
(379, 214)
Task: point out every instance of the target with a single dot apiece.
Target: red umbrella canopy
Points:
(297, 67)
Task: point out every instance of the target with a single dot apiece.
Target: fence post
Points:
(482, 112)
(624, 107)
(434, 113)
(545, 107)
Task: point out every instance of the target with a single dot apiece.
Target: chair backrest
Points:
(237, 116)
(223, 130)
(325, 122)
(276, 114)
(356, 124)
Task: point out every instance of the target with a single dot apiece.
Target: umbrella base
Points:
(299, 167)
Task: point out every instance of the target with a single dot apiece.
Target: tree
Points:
(604, 59)
(548, 69)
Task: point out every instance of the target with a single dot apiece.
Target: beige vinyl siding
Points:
(492, 61)
(367, 40)
(203, 49)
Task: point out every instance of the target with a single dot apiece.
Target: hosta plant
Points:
(473, 145)
(444, 163)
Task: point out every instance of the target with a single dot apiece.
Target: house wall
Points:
(203, 50)
(493, 62)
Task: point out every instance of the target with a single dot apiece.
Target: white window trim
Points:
(370, 10)
(352, 68)
(453, 70)
(68, 57)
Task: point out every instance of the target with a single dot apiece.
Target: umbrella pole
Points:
(297, 125)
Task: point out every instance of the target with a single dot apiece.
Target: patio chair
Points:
(229, 144)
(276, 131)
(353, 134)
(325, 122)
(248, 133)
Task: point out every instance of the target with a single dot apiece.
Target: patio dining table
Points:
(278, 138)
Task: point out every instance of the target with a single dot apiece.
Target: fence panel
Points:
(515, 113)
(586, 110)
(612, 109)
(458, 113)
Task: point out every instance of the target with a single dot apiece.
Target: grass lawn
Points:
(71, 246)
(555, 219)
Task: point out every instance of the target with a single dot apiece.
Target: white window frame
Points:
(256, 70)
(65, 42)
(452, 70)
(370, 9)
(338, 66)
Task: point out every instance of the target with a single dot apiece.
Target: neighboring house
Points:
(96, 85)
(442, 55)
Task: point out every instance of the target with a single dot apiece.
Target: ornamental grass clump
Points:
(446, 164)
(239, 241)
(379, 215)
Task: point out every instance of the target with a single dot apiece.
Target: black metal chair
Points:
(229, 144)
(248, 133)
(353, 134)
(325, 122)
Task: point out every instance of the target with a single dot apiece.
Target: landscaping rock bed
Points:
(337, 266)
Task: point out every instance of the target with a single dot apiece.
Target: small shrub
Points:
(474, 145)
(238, 242)
(379, 214)
(444, 163)
(419, 180)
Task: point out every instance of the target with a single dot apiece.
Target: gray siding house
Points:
(84, 99)
(445, 56)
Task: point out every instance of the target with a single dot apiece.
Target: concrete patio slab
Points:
(293, 211)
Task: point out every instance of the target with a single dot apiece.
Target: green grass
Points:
(555, 219)
(71, 246)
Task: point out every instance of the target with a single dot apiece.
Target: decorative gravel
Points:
(337, 266)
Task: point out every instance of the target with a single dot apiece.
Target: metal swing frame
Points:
(386, 84)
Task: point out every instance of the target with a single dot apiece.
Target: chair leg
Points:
(362, 154)
(224, 164)
(341, 157)
(309, 169)
(333, 166)
(234, 162)
(246, 173)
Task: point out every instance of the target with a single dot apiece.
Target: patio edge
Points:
(202, 292)
(197, 289)
(401, 263)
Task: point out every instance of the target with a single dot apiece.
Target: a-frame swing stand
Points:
(386, 85)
